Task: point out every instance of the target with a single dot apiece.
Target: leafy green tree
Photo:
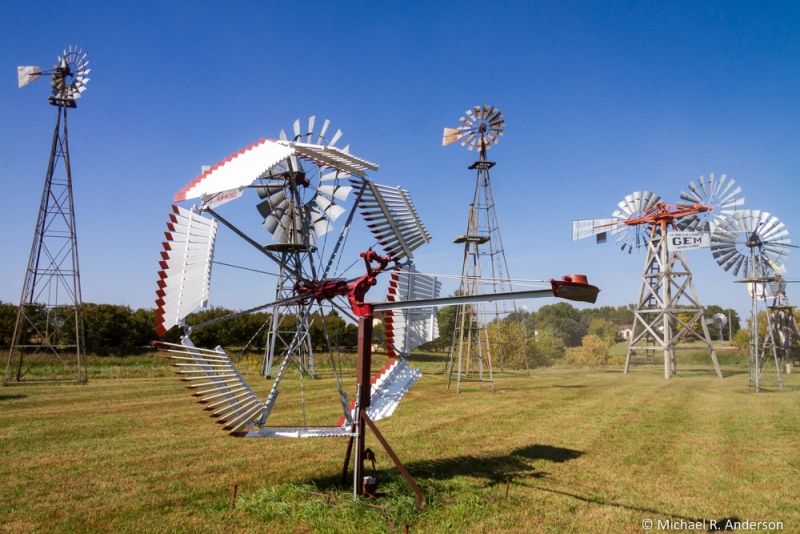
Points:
(563, 320)
(507, 341)
(593, 352)
(604, 329)
(105, 325)
(8, 318)
(544, 349)
(741, 339)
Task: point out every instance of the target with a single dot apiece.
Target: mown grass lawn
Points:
(585, 450)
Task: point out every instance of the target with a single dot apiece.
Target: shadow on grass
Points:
(11, 397)
(494, 469)
(427, 358)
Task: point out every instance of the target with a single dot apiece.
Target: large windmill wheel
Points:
(302, 191)
(633, 206)
(751, 243)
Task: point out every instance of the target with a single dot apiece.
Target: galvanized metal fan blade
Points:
(626, 207)
(276, 200)
(296, 128)
(741, 265)
(335, 138)
(692, 198)
(471, 116)
(322, 132)
(317, 220)
(273, 215)
(494, 116)
(311, 120)
(264, 191)
(338, 191)
(329, 207)
(282, 135)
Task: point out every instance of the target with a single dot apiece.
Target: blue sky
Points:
(600, 98)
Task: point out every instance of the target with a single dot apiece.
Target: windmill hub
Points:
(754, 241)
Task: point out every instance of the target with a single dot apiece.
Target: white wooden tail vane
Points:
(185, 265)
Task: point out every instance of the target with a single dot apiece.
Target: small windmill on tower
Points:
(753, 243)
(668, 310)
(484, 268)
(49, 325)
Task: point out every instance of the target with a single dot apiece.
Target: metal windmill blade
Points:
(750, 243)
(633, 206)
(185, 264)
(409, 328)
(391, 217)
(482, 127)
(220, 387)
(721, 194)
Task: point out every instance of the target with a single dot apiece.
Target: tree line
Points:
(114, 326)
(548, 332)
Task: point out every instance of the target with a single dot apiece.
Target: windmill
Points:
(301, 199)
(752, 243)
(668, 310)
(783, 319)
(484, 267)
(211, 374)
(49, 325)
(720, 321)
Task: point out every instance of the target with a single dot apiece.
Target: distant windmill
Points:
(49, 325)
(668, 309)
(752, 243)
(484, 268)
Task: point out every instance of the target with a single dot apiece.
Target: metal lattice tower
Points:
(484, 268)
(783, 320)
(668, 309)
(49, 327)
(753, 243)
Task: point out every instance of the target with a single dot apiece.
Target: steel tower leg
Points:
(49, 327)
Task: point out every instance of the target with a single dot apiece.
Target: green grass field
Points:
(585, 450)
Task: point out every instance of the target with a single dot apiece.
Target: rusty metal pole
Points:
(364, 387)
